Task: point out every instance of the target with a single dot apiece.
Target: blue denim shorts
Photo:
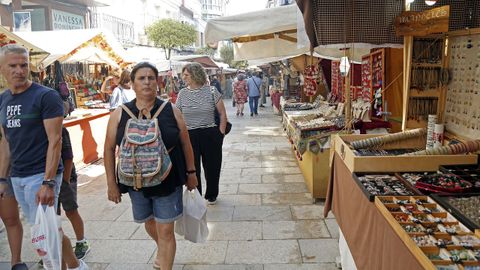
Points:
(26, 188)
(165, 209)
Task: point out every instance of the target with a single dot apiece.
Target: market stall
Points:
(83, 59)
(37, 55)
(87, 57)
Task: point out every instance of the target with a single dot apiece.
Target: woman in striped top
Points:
(198, 103)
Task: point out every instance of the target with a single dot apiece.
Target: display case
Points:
(382, 81)
(463, 206)
(383, 184)
(428, 80)
(434, 236)
(355, 163)
(311, 148)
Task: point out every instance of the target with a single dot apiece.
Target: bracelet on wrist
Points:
(3, 180)
(191, 172)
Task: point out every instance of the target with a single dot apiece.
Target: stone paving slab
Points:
(121, 251)
(283, 178)
(262, 171)
(318, 250)
(237, 179)
(332, 226)
(220, 213)
(307, 211)
(263, 251)
(287, 199)
(212, 252)
(272, 188)
(224, 267)
(228, 189)
(304, 266)
(237, 230)
(301, 229)
(262, 213)
(106, 230)
(239, 200)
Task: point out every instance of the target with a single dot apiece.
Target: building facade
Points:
(41, 15)
(213, 8)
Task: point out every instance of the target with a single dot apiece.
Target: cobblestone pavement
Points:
(265, 219)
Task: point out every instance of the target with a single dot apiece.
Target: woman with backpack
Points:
(156, 195)
(198, 103)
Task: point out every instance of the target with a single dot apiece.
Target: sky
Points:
(243, 6)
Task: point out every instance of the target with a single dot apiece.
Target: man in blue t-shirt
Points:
(31, 117)
(253, 87)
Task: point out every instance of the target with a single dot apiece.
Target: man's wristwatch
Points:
(49, 183)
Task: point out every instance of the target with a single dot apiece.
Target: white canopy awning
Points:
(90, 45)
(272, 33)
(37, 55)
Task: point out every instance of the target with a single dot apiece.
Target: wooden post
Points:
(407, 56)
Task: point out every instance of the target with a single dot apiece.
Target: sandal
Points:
(156, 267)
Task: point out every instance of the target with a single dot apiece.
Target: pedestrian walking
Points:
(228, 87)
(122, 92)
(253, 87)
(10, 220)
(31, 118)
(68, 197)
(240, 93)
(198, 103)
(159, 204)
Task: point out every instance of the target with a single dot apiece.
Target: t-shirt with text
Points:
(21, 116)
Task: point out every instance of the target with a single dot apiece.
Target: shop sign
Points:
(413, 23)
(66, 21)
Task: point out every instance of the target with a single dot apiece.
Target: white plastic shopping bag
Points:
(47, 237)
(193, 224)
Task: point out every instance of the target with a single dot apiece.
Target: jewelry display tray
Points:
(371, 197)
(442, 199)
(423, 253)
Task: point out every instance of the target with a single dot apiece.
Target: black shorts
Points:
(68, 197)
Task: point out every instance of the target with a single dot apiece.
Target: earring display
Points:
(462, 113)
(437, 239)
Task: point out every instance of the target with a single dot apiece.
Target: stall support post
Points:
(407, 55)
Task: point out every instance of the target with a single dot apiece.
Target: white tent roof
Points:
(78, 45)
(272, 33)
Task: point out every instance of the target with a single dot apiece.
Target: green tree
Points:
(206, 51)
(169, 34)
(226, 53)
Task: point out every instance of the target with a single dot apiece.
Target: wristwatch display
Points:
(49, 183)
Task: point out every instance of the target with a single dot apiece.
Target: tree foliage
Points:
(226, 53)
(206, 51)
(169, 34)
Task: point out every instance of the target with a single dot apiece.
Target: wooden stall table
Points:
(89, 145)
(373, 243)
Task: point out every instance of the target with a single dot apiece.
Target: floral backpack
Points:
(144, 160)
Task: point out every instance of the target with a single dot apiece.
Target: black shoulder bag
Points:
(217, 115)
